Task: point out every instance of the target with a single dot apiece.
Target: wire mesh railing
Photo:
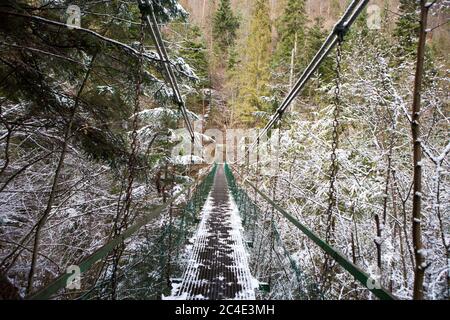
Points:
(358, 275)
(272, 264)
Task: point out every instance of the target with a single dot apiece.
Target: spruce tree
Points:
(291, 30)
(225, 25)
(255, 72)
(289, 58)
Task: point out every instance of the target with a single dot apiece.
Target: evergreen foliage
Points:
(254, 78)
(225, 25)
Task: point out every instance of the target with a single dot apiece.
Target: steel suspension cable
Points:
(340, 29)
(147, 10)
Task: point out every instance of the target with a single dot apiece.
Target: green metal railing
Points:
(340, 258)
(172, 245)
(251, 214)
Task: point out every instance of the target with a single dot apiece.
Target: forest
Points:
(132, 149)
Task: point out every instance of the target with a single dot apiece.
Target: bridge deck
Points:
(218, 267)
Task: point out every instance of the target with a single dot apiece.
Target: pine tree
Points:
(225, 25)
(255, 72)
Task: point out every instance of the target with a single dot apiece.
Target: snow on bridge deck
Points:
(218, 266)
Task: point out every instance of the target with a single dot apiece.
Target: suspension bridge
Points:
(232, 226)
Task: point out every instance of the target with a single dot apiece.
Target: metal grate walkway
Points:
(218, 267)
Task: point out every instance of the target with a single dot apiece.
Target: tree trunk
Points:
(378, 242)
(417, 157)
(43, 218)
